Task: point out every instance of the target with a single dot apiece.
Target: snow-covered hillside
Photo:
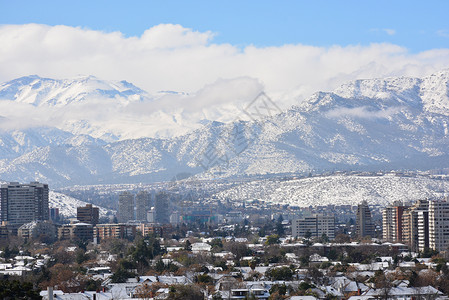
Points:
(108, 110)
(67, 205)
(339, 190)
(366, 125)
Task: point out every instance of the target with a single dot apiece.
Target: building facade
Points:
(364, 222)
(423, 229)
(77, 231)
(392, 222)
(162, 208)
(314, 226)
(143, 205)
(23, 203)
(410, 224)
(88, 214)
(37, 229)
(116, 231)
(439, 225)
(125, 211)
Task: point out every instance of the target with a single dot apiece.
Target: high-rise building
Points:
(23, 203)
(88, 214)
(410, 224)
(392, 222)
(315, 226)
(364, 222)
(162, 208)
(388, 224)
(125, 207)
(439, 225)
(143, 205)
(54, 214)
(423, 229)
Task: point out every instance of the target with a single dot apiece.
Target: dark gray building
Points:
(143, 205)
(162, 208)
(125, 211)
(365, 225)
(23, 203)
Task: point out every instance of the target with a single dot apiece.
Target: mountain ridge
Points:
(374, 124)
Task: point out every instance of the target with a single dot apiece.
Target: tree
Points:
(324, 239)
(185, 292)
(188, 246)
(281, 273)
(143, 291)
(238, 249)
(15, 289)
(122, 273)
(217, 296)
(281, 289)
(280, 226)
(216, 244)
(342, 238)
(382, 283)
(272, 239)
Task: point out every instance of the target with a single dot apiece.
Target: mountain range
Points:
(374, 124)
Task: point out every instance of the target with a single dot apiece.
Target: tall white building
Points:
(316, 225)
(439, 225)
(423, 229)
(388, 222)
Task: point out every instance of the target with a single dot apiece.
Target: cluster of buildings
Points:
(25, 212)
(317, 225)
(424, 224)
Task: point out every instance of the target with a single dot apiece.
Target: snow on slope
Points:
(109, 110)
(339, 190)
(365, 125)
(67, 205)
(39, 91)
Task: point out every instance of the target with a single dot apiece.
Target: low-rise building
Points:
(77, 231)
(118, 231)
(37, 229)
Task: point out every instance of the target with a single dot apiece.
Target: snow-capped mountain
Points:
(376, 124)
(39, 91)
(109, 110)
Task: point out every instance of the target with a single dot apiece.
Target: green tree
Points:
(280, 273)
(15, 289)
(272, 239)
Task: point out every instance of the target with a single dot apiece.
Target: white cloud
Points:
(220, 78)
(388, 31)
(443, 33)
(362, 112)
(171, 57)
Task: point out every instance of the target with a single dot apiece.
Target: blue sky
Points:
(415, 25)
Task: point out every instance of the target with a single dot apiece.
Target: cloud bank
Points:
(218, 79)
(171, 57)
